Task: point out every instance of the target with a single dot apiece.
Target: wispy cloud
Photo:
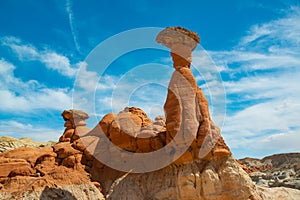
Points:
(72, 24)
(285, 31)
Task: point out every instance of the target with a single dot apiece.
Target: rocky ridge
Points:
(279, 170)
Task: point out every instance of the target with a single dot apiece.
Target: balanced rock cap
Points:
(74, 114)
(171, 36)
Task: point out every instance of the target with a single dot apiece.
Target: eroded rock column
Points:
(186, 107)
(71, 152)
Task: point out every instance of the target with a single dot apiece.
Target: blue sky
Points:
(254, 46)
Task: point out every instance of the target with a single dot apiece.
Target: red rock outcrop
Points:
(133, 131)
(57, 171)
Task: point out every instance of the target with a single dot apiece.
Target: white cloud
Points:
(277, 115)
(9, 101)
(51, 59)
(17, 95)
(269, 85)
(7, 76)
(92, 92)
(58, 63)
(90, 81)
(57, 99)
(252, 61)
(22, 99)
(19, 130)
(263, 145)
(264, 93)
(282, 142)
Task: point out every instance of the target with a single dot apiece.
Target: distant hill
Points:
(9, 143)
(278, 170)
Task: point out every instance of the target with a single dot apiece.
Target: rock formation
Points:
(186, 107)
(205, 170)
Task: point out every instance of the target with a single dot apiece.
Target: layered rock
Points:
(210, 180)
(34, 173)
